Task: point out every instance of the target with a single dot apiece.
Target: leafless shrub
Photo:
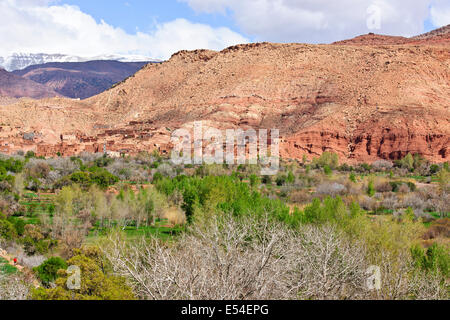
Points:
(382, 165)
(390, 201)
(300, 196)
(426, 286)
(246, 259)
(70, 235)
(325, 266)
(166, 170)
(64, 166)
(8, 204)
(354, 189)
(14, 156)
(30, 261)
(5, 186)
(378, 196)
(404, 188)
(13, 288)
(443, 204)
(331, 189)
(176, 197)
(37, 168)
(52, 177)
(439, 228)
(368, 203)
(89, 157)
(415, 202)
(213, 263)
(130, 170)
(383, 187)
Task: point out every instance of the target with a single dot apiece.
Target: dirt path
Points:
(7, 257)
(27, 272)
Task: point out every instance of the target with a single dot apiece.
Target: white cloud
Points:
(319, 21)
(36, 26)
(440, 13)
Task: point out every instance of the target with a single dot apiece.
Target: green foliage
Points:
(352, 177)
(330, 210)
(266, 179)
(221, 194)
(346, 168)
(397, 184)
(281, 180)
(81, 178)
(290, 179)
(6, 268)
(409, 214)
(7, 230)
(434, 168)
(19, 225)
(11, 165)
(327, 159)
(255, 180)
(47, 272)
(410, 162)
(446, 167)
(30, 154)
(365, 167)
(327, 170)
(443, 179)
(99, 176)
(435, 258)
(157, 177)
(104, 179)
(96, 284)
(103, 161)
(371, 188)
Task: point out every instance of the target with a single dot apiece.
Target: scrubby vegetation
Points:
(141, 228)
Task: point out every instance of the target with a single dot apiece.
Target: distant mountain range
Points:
(18, 61)
(14, 86)
(80, 79)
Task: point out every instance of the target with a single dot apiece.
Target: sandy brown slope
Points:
(439, 36)
(363, 102)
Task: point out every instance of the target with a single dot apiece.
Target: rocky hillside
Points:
(439, 36)
(14, 86)
(80, 79)
(364, 102)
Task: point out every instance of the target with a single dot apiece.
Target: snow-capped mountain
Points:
(19, 61)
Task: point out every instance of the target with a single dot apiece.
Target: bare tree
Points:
(13, 288)
(245, 258)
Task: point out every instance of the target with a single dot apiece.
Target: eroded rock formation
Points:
(365, 102)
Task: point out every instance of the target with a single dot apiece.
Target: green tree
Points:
(7, 230)
(47, 272)
(371, 188)
(290, 178)
(408, 162)
(327, 158)
(95, 284)
(254, 180)
(443, 179)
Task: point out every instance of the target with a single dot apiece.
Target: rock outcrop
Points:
(369, 101)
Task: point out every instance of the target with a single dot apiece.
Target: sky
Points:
(157, 29)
